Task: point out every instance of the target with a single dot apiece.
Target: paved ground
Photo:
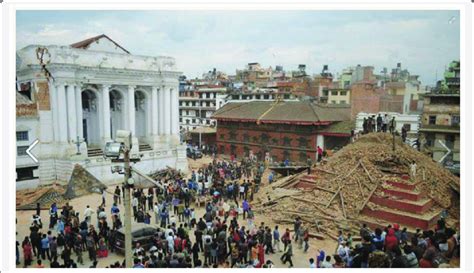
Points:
(300, 259)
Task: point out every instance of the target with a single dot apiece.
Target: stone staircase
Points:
(142, 147)
(401, 203)
(93, 152)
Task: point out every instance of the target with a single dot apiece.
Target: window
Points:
(21, 150)
(303, 157)
(343, 93)
(334, 93)
(333, 102)
(194, 120)
(342, 102)
(449, 140)
(180, 120)
(287, 141)
(325, 93)
(455, 121)
(222, 136)
(264, 138)
(187, 121)
(303, 142)
(432, 120)
(22, 136)
(430, 139)
(265, 97)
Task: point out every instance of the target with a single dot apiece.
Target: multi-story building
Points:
(441, 119)
(335, 96)
(283, 129)
(196, 107)
(87, 92)
(259, 96)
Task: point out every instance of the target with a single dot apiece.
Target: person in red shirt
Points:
(391, 240)
(427, 260)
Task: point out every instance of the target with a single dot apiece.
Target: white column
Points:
(131, 109)
(79, 117)
(167, 115)
(62, 113)
(174, 112)
(71, 112)
(54, 110)
(161, 111)
(106, 112)
(154, 110)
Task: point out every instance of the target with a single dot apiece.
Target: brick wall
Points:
(275, 145)
(365, 97)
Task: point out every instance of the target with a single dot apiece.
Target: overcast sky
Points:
(423, 41)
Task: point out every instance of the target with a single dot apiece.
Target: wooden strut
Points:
(326, 171)
(343, 206)
(340, 187)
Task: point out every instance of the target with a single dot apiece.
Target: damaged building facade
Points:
(82, 94)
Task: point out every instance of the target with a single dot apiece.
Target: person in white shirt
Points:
(135, 206)
(88, 213)
(327, 262)
(312, 264)
(157, 211)
(170, 239)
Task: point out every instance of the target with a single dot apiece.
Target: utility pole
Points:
(393, 133)
(200, 122)
(128, 216)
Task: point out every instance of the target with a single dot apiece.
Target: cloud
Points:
(424, 41)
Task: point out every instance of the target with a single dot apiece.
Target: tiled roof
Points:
(87, 42)
(25, 107)
(300, 112)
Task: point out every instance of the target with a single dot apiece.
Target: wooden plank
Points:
(343, 206)
(333, 197)
(326, 171)
(363, 166)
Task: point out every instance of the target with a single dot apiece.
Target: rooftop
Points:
(84, 44)
(286, 112)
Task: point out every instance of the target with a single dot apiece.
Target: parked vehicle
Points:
(193, 153)
(141, 233)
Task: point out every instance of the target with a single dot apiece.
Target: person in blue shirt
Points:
(45, 248)
(164, 217)
(270, 178)
(276, 239)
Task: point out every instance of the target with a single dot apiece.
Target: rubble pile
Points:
(165, 174)
(82, 183)
(343, 185)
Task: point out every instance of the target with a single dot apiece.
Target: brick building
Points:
(285, 129)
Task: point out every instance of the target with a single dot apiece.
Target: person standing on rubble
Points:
(320, 153)
(379, 123)
(393, 125)
(413, 171)
(385, 123)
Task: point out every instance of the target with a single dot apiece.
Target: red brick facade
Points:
(292, 142)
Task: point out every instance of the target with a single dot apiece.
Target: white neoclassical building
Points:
(83, 94)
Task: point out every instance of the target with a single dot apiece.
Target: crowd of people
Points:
(393, 247)
(225, 232)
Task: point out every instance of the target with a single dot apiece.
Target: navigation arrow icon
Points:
(447, 149)
(28, 151)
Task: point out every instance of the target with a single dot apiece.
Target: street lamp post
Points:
(200, 123)
(123, 144)
(128, 216)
